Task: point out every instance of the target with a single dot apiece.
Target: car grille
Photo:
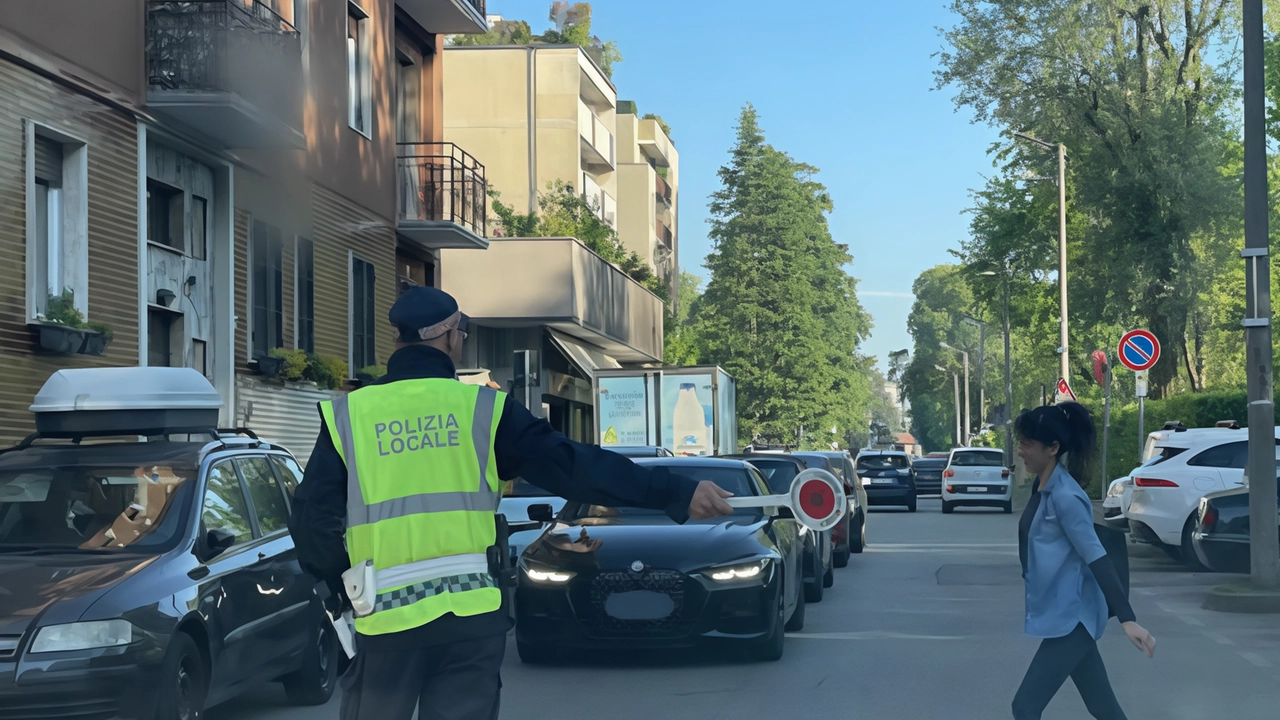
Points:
(63, 708)
(9, 645)
(684, 593)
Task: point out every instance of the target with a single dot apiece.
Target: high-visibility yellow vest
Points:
(422, 490)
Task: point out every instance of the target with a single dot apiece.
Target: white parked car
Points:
(977, 477)
(1167, 491)
(1161, 445)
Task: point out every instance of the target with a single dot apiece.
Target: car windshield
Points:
(778, 473)
(94, 498)
(1162, 454)
(977, 458)
(523, 488)
(735, 480)
(929, 463)
(882, 462)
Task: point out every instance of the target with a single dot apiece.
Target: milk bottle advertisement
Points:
(624, 411)
(687, 414)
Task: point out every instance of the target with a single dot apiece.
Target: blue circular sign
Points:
(1139, 350)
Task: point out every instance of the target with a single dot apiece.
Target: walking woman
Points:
(1070, 581)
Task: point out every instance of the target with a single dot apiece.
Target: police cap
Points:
(425, 313)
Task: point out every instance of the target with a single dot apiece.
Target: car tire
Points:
(537, 653)
(858, 535)
(1189, 556)
(840, 556)
(1174, 552)
(770, 649)
(314, 682)
(1008, 507)
(796, 623)
(814, 590)
(947, 507)
(911, 503)
(184, 685)
(829, 578)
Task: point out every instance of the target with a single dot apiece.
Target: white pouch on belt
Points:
(361, 587)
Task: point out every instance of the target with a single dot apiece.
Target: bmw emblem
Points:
(637, 566)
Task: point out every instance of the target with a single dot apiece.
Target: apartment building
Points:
(648, 192)
(212, 180)
(548, 311)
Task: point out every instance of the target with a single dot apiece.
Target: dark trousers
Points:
(1075, 655)
(458, 681)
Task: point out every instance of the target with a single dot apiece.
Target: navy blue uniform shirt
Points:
(524, 446)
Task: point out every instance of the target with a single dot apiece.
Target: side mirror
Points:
(219, 541)
(542, 512)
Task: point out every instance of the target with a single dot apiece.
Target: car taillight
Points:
(951, 488)
(1004, 473)
(1208, 517)
(948, 473)
(1154, 482)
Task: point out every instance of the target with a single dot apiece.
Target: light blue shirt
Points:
(1061, 589)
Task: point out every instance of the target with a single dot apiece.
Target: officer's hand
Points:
(708, 501)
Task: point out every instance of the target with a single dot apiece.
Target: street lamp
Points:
(982, 378)
(1062, 243)
(955, 379)
(965, 355)
(1008, 373)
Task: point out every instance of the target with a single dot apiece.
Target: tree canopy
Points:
(573, 27)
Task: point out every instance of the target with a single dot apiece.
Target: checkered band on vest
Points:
(406, 596)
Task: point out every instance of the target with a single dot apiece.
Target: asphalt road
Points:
(925, 625)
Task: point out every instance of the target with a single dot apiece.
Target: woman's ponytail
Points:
(1080, 441)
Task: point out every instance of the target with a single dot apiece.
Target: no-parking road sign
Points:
(1139, 350)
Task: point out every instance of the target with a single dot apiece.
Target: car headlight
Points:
(739, 572)
(1116, 490)
(83, 636)
(546, 575)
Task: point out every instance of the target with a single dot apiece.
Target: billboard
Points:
(688, 413)
(625, 409)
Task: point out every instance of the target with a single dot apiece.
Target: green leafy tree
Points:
(680, 342)
(943, 296)
(661, 123)
(574, 29)
(779, 312)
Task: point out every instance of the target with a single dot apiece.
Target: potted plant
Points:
(292, 364)
(326, 372)
(61, 325)
(96, 339)
(370, 373)
(270, 366)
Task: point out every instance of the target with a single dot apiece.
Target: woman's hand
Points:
(1140, 638)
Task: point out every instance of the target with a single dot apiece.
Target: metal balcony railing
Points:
(442, 182)
(662, 189)
(478, 5)
(191, 43)
(664, 235)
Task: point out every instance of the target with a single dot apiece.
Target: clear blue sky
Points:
(843, 85)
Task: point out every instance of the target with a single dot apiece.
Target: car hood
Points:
(31, 584)
(516, 509)
(616, 543)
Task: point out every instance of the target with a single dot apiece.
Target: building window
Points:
(162, 327)
(57, 219)
(199, 357)
(363, 350)
(413, 271)
(359, 98)
(305, 277)
(164, 215)
(199, 227)
(267, 276)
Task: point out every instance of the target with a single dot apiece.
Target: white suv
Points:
(1166, 493)
(977, 476)
(1161, 445)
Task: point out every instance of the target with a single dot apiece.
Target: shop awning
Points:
(588, 359)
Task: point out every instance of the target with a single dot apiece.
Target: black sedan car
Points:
(1221, 534)
(152, 580)
(850, 536)
(639, 451)
(928, 471)
(888, 478)
(819, 548)
(622, 578)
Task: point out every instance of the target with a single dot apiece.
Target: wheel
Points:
(911, 504)
(1189, 556)
(1008, 507)
(815, 589)
(947, 507)
(858, 539)
(314, 681)
(770, 649)
(829, 578)
(184, 684)
(840, 556)
(1174, 552)
(536, 653)
(796, 623)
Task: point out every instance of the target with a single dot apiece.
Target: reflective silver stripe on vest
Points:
(484, 499)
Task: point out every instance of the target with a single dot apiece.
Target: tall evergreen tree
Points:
(779, 312)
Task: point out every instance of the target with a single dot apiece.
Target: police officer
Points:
(406, 472)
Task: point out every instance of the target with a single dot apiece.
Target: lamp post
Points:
(1062, 244)
(1008, 370)
(955, 379)
(982, 378)
(967, 424)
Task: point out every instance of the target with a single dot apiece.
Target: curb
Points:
(1243, 598)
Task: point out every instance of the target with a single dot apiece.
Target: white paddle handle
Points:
(759, 501)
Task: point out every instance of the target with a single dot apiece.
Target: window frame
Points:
(203, 530)
(73, 220)
(358, 69)
(371, 318)
(259, 534)
(276, 289)
(276, 460)
(172, 196)
(304, 327)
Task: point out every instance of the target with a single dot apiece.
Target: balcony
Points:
(655, 144)
(447, 17)
(557, 283)
(662, 190)
(442, 196)
(230, 70)
(598, 148)
(602, 203)
(665, 236)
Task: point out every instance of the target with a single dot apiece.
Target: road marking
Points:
(1218, 637)
(1194, 622)
(873, 635)
(1256, 659)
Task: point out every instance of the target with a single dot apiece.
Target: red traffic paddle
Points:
(817, 498)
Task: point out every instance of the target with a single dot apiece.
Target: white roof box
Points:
(126, 401)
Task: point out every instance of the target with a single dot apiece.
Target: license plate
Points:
(977, 489)
(639, 605)
(882, 481)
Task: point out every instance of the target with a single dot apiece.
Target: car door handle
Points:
(199, 572)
